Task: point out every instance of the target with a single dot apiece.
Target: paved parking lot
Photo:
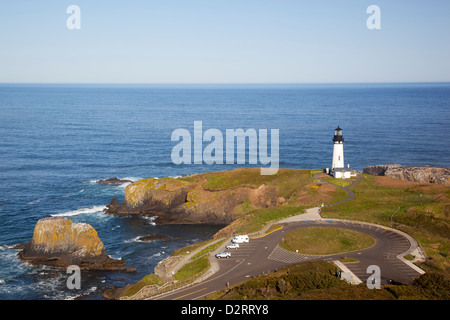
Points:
(263, 255)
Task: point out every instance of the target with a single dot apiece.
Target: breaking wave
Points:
(93, 209)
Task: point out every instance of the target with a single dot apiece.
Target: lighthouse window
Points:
(339, 158)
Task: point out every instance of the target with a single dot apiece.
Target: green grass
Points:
(313, 172)
(210, 248)
(409, 257)
(273, 228)
(288, 181)
(375, 203)
(192, 268)
(324, 240)
(186, 250)
(338, 182)
(151, 279)
(349, 260)
(257, 219)
(199, 261)
(337, 195)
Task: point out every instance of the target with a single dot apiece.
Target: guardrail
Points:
(153, 290)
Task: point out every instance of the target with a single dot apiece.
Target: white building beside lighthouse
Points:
(338, 169)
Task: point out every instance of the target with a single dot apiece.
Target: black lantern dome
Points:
(338, 135)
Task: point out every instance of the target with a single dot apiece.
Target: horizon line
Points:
(222, 83)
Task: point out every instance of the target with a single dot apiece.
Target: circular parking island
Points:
(325, 240)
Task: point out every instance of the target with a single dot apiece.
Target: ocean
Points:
(57, 141)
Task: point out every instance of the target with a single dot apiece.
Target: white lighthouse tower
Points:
(337, 166)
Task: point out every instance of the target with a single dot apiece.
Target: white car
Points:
(232, 246)
(223, 254)
(240, 239)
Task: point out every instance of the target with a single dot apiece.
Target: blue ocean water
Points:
(58, 140)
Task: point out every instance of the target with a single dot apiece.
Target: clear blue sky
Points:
(224, 41)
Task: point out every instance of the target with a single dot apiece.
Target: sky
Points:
(224, 41)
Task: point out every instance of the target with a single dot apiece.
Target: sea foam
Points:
(80, 211)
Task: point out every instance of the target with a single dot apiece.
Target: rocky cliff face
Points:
(58, 242)
(179, 201)
(414, 174)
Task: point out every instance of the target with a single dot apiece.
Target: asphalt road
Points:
(263, 255)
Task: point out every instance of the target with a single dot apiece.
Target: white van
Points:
(240, 239)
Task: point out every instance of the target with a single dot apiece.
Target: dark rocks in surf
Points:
(156, 237)
(113, 181)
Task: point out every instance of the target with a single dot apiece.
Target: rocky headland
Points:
(59, 242)
(423, 174)
(190, 200)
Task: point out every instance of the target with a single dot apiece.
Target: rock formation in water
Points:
(156, 237)
(59, 242)
(414, 174)
(113, 181)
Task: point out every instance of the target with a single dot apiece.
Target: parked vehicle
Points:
(240, 239)
(223, 254)
(232, 246)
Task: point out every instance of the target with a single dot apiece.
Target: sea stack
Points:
(59, 242)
